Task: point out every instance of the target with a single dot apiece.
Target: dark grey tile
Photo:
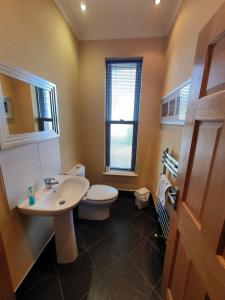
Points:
(149, 261)
(145, 224)
(106, 255)
(158, 287)
(154, 296)
(48, 289)
(127, 212)
(122, 201)
(78, 278)
(150, 209)
(91, 232)
(99, 293)
(80, 243)
(116, 224)
(44, 266)
(125, 282)
(155, 240)
(126, 237)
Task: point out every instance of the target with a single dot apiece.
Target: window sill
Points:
(120, 173)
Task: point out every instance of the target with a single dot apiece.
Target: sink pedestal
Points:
(66, 245)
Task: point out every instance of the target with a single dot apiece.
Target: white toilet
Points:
(96, 203)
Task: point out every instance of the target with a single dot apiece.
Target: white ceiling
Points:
(110, 19)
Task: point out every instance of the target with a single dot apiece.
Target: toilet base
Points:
(91, 212)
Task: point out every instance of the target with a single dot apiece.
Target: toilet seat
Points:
(100, 194)
(96, 204)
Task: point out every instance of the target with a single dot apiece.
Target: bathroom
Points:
(68, 46)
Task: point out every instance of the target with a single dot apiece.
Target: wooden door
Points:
(6, 289)
(194, 266)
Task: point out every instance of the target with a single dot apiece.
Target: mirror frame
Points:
(8, 140)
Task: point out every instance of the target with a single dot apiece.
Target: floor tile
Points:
(45, 265)
(80, 243)
(126, 211)
(78, 278)
(122, 201)
(106, 255)
(91, 232)
(125, 282)
(116, 223)
(148, 260)
(126, 237)
(154, 296)
(150, 209)
(144, 224)
(48, 289)
(155, 240)
(99, 293)
(158, 287)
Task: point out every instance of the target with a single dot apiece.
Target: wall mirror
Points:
(28, 107)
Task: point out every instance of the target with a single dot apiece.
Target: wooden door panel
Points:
(216, 77)
(185, 282)
(194, 287)
(180, 271)
(213, 211)
(200, 166)
(210, 267)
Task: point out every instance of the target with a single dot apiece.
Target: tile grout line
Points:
(143, 275)
(146, 237)
(41, 281)
(100, 240)
(60, 286)
(156, 286)
(140, 272)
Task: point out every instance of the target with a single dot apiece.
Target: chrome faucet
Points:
(49, 182)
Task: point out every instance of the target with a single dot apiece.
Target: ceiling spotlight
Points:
(157, 2)
(83, 7)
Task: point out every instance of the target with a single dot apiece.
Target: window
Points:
(123, 84)
(45, 118)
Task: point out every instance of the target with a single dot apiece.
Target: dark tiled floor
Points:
(119, 258)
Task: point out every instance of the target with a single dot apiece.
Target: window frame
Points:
(41, 120)
(134, 122)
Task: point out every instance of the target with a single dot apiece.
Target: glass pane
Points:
(44, 103)
(48, 125)
(121, 146)
(184, 95)
(123, 91)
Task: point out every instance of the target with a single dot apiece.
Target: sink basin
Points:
(59, 203)
(64, 197)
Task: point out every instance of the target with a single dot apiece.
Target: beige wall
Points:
(192, 17)
(35, 36)
(92, 78)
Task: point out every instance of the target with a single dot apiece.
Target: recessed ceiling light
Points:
(83, 7)
(157, 2)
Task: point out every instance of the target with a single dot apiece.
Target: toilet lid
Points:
(98, 192)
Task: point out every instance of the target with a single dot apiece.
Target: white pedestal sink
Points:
(59, 202)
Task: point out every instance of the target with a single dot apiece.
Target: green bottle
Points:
(31, 198)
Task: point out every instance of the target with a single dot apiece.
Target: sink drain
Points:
(62, 202)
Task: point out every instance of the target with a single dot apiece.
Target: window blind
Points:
(123, 84)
